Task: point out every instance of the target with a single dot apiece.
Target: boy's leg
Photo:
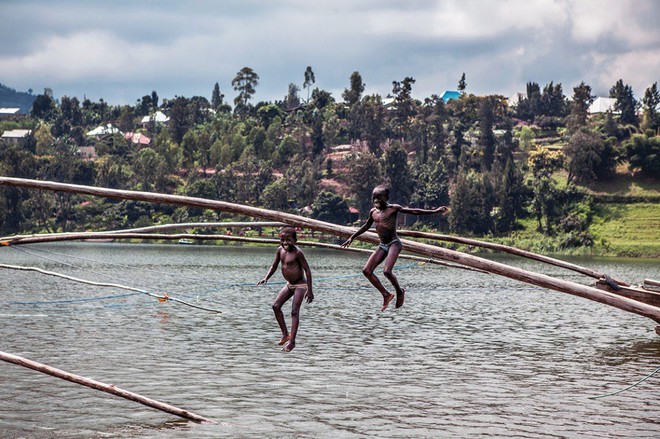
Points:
(284, 295)
(388, 271)
(374, 260)
(298, 296)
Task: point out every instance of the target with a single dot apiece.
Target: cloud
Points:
(122, 50)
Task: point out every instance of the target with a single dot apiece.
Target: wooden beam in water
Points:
(108, 388)
(435, 252)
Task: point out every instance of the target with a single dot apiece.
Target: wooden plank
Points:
(108, 388)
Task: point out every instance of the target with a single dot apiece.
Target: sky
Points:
(120, 50)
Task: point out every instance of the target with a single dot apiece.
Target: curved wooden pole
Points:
(161, 228)
(74, 236)
(108, 388)
(519, 274)
(511, 250)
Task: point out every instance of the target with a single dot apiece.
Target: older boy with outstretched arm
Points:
(384, 215)
(298, 276)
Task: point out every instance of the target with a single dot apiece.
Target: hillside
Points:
(10, 98)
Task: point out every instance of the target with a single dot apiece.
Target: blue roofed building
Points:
(449, 95)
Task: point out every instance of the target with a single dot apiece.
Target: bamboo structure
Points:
(108, 388)
(435, 252)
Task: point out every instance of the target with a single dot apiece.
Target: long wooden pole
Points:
(160, 228)
(511, 250)
(519, 274)
(74, 236)
(108, 388)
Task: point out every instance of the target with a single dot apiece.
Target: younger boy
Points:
(296, 272)
(385, 217)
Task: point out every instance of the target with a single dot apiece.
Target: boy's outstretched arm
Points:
(272, 269)
(415, 211)
(360, 231)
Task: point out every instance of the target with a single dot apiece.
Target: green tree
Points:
(363, 174)
(651, 100)
(625, 103)
(353, 94)
(147, 165)
(528, 107)
(431, 186)
(552, 101)
(303, 178)
(543, 163)
(582, 99)
(510, 194)
(244, 83)
(292, 100)
(583, 155)
(44, 108)
(330, 207)
(643, 154)
(217, 98)
(309, 80)
(397, 173)
(462, 84)
(486, 135)
(404, 106)
(472, 202)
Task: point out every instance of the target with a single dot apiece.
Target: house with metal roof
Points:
(15, 136)
(603, 105)
(157, 117)
(450, 95)
(103, 130)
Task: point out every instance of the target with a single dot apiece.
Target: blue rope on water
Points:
(90, 299)
(627, 388)
(217, 289)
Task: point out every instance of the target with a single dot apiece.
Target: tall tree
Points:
(582, 99)
(44, 108)
(651, 100)
(552, 102)
(487, 136)
(462, 84)
(397, 173)
(404, 106)
(353, 94)
(217, 98)
(292, 100)
(625, 103)
(309, 80)
(583, 155)
(244, 83)
(364, 174)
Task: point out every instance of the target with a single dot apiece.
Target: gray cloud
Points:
(122, 50)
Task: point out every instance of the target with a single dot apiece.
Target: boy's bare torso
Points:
(385, 221)
(292, 269)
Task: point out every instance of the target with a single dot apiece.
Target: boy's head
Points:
(380, 195)
(289, 232)
(381, 190)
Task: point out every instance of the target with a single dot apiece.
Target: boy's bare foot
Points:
(400, 297)
(386, 301)
(284, 339)
(289, 346)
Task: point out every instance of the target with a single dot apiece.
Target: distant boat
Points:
(186, 241)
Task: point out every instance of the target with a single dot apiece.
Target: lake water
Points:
(469, 355)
